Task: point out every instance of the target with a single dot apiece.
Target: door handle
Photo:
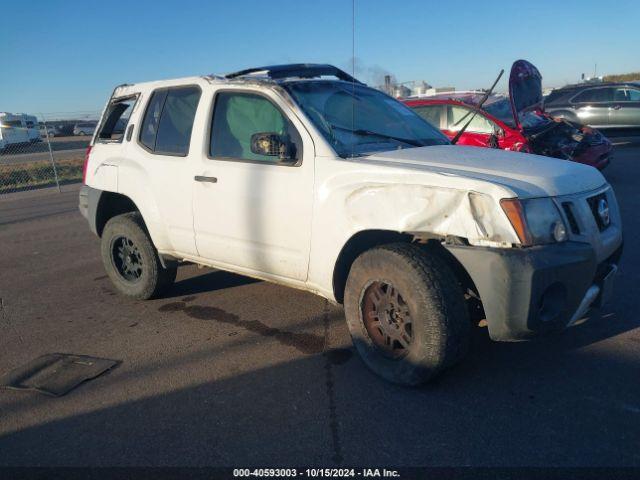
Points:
(616, 107)
(202, 178)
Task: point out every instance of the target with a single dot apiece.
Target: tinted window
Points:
(430, 113)
(237, 117)
(594, 95)
(626, 94)
(457, 117)
(152, 118)
(168, 121)
(176, 121)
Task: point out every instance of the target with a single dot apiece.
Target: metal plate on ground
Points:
(56, 373)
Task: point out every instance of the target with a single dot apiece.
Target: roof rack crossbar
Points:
(300, 70)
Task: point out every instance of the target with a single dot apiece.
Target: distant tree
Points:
(623, 77)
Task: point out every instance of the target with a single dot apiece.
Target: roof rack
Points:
(299, 70)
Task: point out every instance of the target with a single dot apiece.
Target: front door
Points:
(592, 106)
(253, 211)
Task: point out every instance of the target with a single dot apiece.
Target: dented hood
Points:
(525, 88)
(525, 174)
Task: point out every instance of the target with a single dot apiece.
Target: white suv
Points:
(287, 174)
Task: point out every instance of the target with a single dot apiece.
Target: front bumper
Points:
(530, 291)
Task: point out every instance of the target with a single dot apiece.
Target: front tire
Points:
(406, 313)
(131, 261)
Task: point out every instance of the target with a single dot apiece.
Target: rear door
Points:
(592, 106)
(164, 153)
(625, 110)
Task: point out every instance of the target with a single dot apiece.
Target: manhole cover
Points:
(56, 373)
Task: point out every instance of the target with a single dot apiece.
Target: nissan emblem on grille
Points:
(603, 211)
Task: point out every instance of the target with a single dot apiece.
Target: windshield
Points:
(358, 120)
(501, 109)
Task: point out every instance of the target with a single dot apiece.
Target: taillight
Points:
(86, 164)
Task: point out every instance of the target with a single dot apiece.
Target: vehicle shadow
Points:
(208, 282)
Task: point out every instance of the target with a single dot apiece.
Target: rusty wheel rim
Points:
(387, 319)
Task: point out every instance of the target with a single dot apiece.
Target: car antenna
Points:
(477, 107)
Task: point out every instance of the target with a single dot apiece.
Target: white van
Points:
(13, 130)
(30, 122)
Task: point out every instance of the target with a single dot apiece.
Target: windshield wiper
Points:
(369, 133)
(477, 108)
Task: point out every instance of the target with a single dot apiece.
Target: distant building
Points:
(404, 89)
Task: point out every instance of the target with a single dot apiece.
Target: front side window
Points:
(238, 118)
(358, 120)
(168, 121)
(594, 95)
(457, 117)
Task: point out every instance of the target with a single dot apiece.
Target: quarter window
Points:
(168, 121)
(237, 117)
(115, 120)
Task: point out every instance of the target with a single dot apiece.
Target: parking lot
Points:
(230, 371)
(62, 148)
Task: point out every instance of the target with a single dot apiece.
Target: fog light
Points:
(559, 231)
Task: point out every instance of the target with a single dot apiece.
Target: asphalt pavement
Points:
(230, 371)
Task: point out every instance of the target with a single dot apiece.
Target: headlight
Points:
(536, 221)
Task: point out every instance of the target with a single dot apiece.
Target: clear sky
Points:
(63, 56)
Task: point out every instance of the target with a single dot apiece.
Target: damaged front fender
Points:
(420, 210)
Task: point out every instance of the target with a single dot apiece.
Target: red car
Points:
(517, 122)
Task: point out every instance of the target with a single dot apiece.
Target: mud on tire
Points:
(388, 285)
(130, 259)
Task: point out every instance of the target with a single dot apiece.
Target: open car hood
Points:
(525, 88)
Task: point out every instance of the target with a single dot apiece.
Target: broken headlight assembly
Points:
(536, 221)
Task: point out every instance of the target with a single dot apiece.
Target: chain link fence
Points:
(39, 152)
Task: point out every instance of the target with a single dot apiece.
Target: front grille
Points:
(593, 205)
(571, 218)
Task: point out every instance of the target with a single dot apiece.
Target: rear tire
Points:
(131, 261)
(406, 313)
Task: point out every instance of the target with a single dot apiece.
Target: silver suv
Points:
(604, 105)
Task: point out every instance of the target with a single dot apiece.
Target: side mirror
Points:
(492, 141)
(273, 145)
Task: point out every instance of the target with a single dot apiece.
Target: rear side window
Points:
(168, 121)
(115, 120)
(430, 113)
(594, 95)
(625, 94)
